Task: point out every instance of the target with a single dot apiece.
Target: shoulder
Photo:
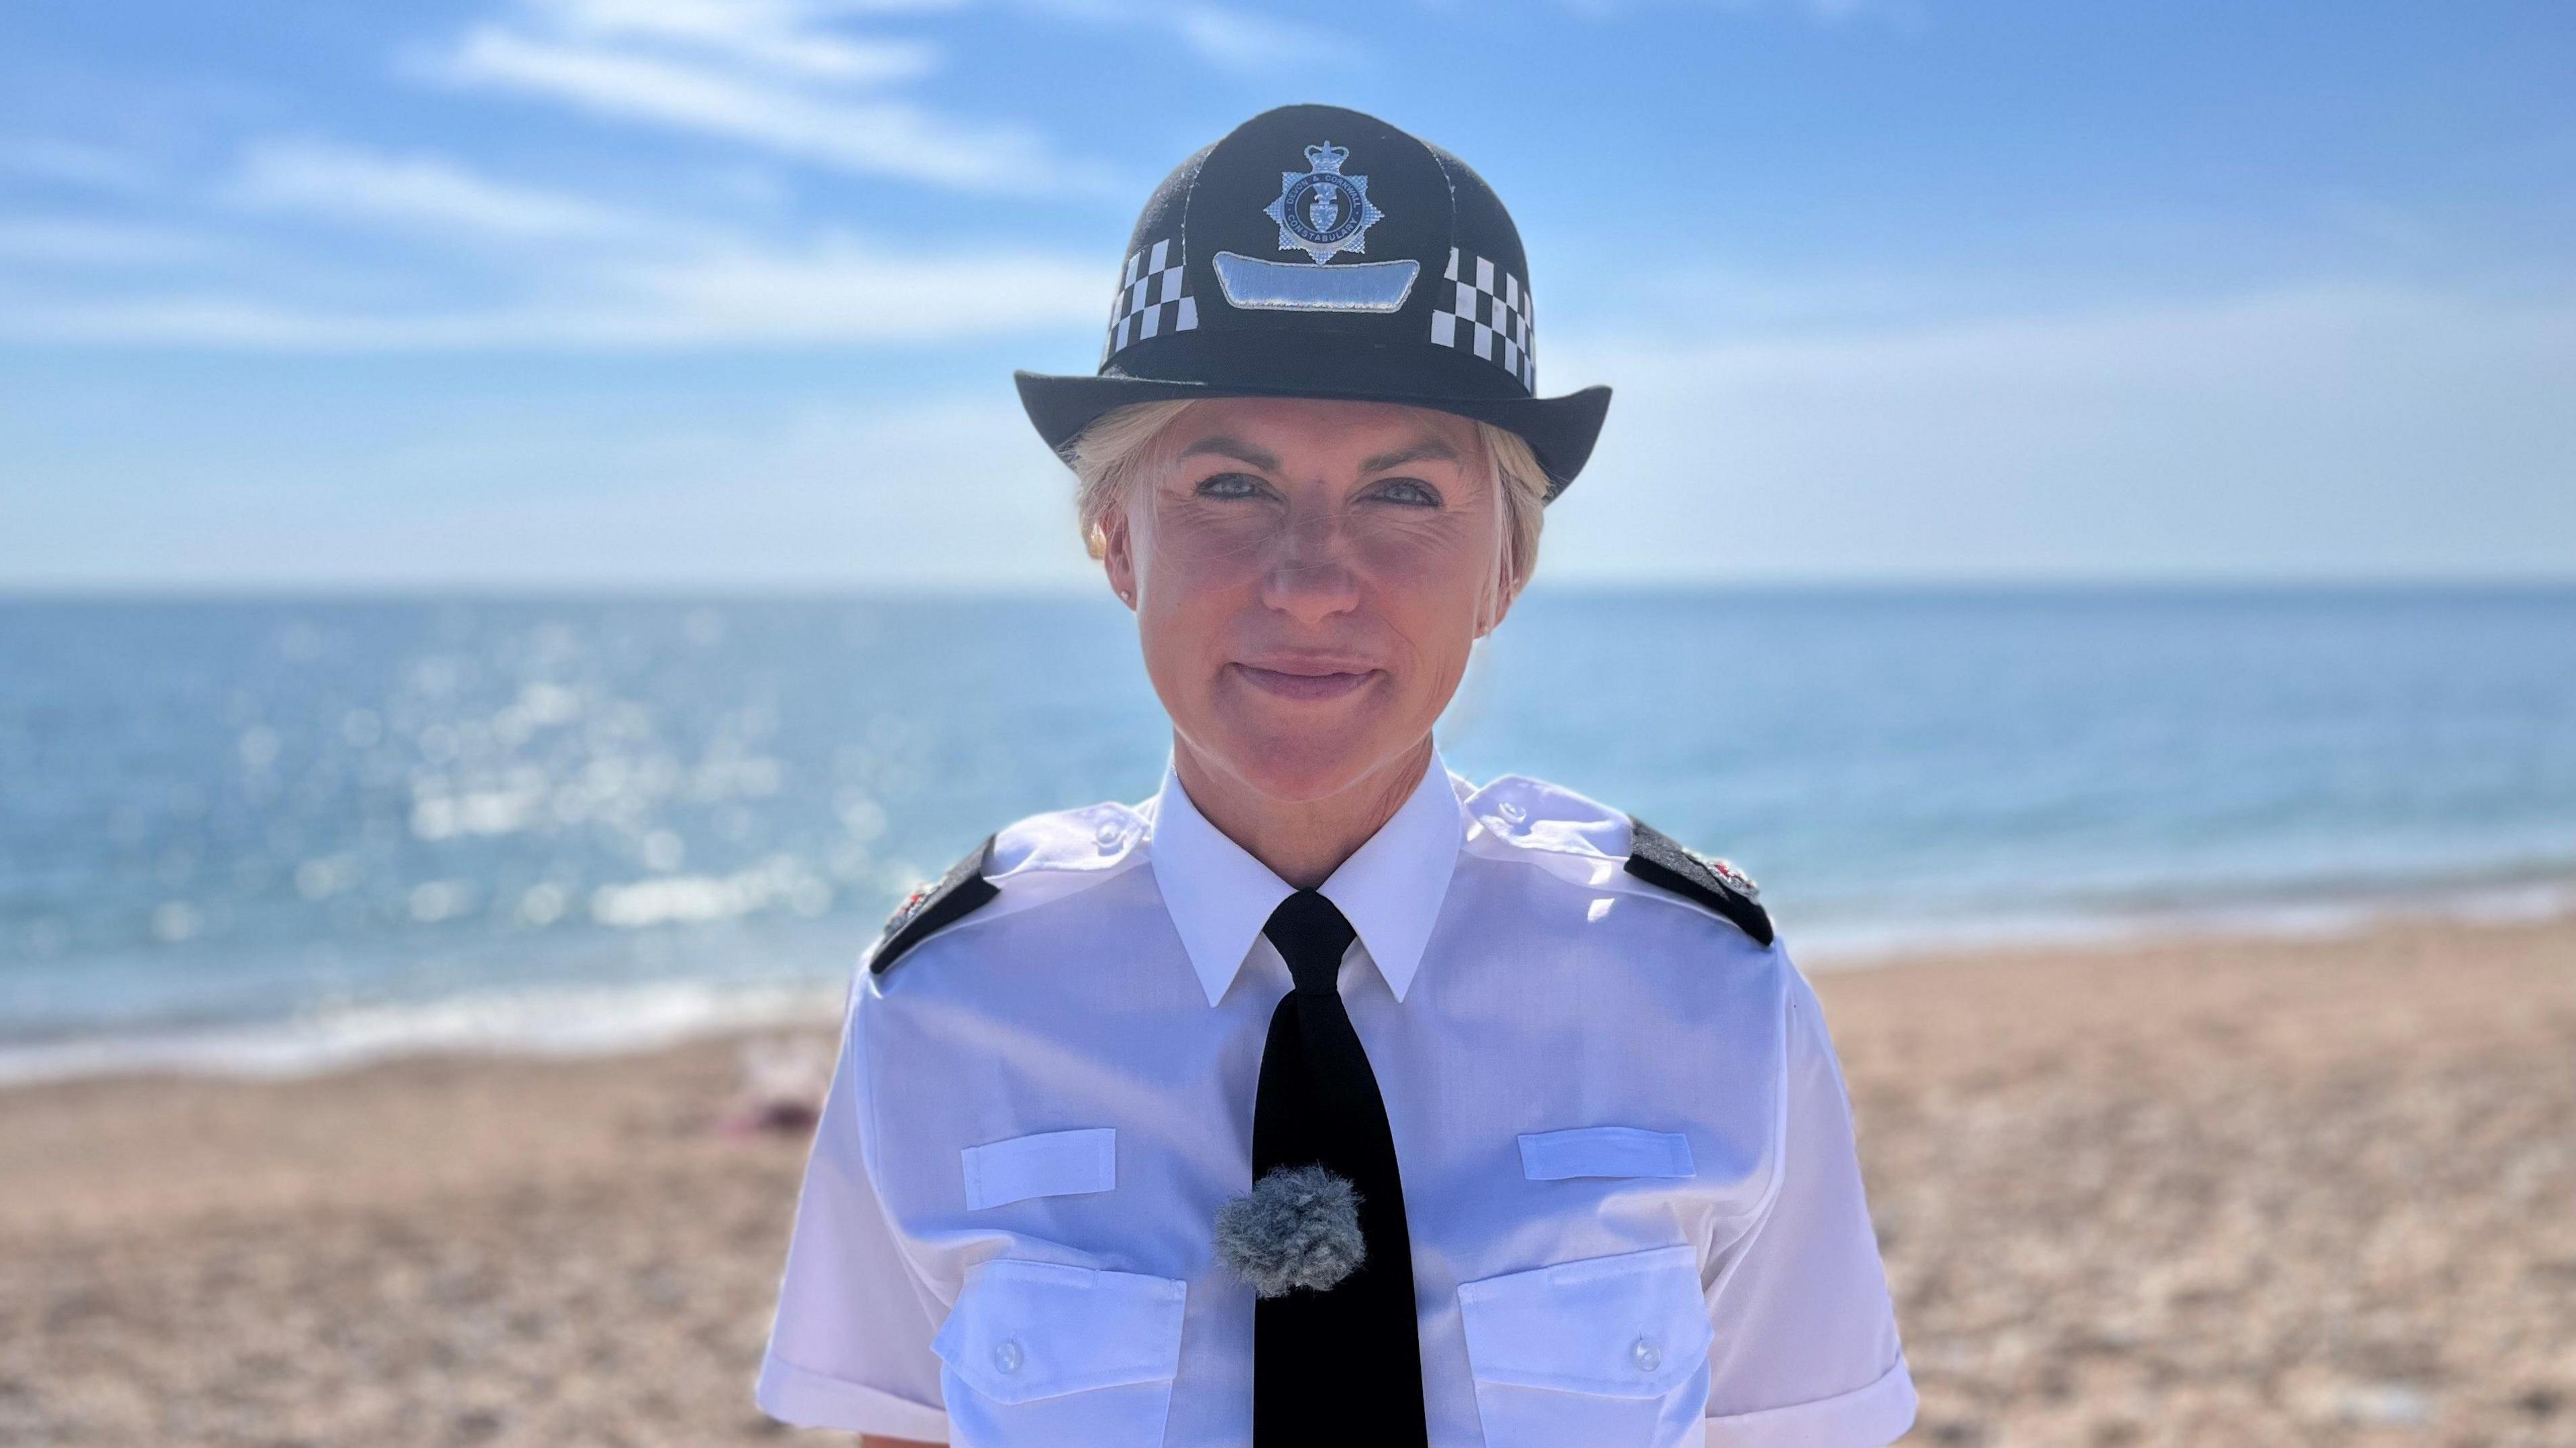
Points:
(1025, 865)
(1577, 838)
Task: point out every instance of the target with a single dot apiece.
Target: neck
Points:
(1302, 840)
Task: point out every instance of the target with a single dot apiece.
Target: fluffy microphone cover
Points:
(1298, 1227)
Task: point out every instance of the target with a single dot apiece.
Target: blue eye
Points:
(1412, 492)
(1229, 485)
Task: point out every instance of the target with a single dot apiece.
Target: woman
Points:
(1324, 1093)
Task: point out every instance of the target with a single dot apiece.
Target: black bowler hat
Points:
(1319, 252)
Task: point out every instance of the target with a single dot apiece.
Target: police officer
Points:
(1324, 1096)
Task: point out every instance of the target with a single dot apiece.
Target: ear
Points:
(1118, 555)
(1497, 603)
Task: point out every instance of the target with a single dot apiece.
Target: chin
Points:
(1302, 763)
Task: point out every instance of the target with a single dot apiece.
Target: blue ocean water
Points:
(264, 833)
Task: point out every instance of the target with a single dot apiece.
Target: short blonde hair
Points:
(1120, 446)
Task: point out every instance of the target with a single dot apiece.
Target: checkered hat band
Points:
(1150, 301)
(1490, 314)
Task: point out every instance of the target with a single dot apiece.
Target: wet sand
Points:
(2211, 1192)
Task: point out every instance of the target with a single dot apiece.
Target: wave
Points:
(591, 1021)
(611, 1020)
(2323, 913)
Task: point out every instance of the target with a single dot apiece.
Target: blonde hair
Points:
(1120, 446)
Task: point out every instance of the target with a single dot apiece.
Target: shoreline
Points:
(598, 1020)
(2223, 1190)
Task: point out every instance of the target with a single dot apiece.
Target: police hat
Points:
(1319, 252)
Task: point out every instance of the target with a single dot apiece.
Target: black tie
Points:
(1343, 1364)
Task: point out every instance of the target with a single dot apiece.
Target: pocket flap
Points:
(1629, 1326)
(1605, 1151)
(1025, 1330)
(1049, 1164)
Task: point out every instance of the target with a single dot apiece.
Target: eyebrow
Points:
(1232, 447)
(1428, 450)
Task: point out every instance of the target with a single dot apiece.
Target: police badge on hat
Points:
(1322, 213)
(1385, 271)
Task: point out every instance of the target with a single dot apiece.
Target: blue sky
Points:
(696, 294)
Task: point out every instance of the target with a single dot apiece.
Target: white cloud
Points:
(426, 190)
(765, 76)
(1246, 41)
(836, 291)
(1240, 40)
(578, 274)
(767, 33)
(1907, 12)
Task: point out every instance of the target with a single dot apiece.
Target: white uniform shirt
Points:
(1626, 1148)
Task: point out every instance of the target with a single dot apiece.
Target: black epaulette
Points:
(1660, 860)
(933, 907)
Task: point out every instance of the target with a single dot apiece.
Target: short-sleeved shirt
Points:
(1629, 1179)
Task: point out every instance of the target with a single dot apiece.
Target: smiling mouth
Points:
(1304, 684)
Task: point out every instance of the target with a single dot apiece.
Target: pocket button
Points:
(1006, 1356)
(1645, 1354)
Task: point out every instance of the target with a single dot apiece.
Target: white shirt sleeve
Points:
(850, 1346)
(1807, 1353)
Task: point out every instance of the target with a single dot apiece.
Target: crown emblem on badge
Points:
(1320, 211)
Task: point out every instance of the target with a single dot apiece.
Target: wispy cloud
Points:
(1827, 11)
(1237, 39)
(764, 74)
(770, 34)
(322, 179)
(484, 259)
(837, 291)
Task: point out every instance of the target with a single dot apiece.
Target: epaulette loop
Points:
(933, 907)
(1662, 861)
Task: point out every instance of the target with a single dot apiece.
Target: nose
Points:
(1310, 577)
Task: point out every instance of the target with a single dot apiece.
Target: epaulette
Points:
(932, 907)
(1660, 860)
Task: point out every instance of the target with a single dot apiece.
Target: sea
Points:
(281, 835)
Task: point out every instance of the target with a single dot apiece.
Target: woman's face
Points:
(1308, 578)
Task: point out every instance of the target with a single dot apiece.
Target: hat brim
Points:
(1560, 430)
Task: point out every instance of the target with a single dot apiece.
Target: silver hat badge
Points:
(1322, 212)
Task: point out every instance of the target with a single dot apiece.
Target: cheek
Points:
(1433, 584)
(1188, 552)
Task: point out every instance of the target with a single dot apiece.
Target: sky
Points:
(725, 294)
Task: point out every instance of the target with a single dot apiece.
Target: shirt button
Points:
(1006, 1356)
(1514, 813)
(1108, 837)
(1645, 1354)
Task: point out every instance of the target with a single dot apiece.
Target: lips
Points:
(1305, 679)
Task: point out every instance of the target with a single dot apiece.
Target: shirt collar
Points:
(1389, 889)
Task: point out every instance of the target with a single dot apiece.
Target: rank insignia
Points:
(1724, 869)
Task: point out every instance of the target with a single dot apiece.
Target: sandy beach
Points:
(2244, 1191)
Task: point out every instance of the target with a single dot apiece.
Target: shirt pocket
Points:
(1038, 1353)
(1609, 1352)
(1050, 1164)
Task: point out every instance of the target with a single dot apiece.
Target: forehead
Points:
(1320, 430)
